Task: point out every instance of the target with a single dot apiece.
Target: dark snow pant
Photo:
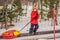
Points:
(33, 28)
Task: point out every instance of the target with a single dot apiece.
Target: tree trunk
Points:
(10, 21)
(38, 4)
(19, 18)
(57, 4)
(6, 17)
(41, 10)
(26, 3)
(1, 25)
(16, 19)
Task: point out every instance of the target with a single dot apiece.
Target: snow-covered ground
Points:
(37, 37)
(43, 26)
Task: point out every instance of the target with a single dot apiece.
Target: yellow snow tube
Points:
(17, 33)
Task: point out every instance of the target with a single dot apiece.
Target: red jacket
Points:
(34, 17)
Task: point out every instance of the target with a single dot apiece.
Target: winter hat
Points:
(34, 6)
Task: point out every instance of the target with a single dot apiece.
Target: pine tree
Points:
(17, 3)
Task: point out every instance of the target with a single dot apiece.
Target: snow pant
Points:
(33, 28)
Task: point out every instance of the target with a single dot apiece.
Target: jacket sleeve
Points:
(33, 14)
(37, 15)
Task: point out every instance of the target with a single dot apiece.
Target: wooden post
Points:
(54, 22)
(5, 11)
(54, 29)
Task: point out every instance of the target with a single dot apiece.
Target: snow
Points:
(43, 26)
(38, 37)
(49, 39)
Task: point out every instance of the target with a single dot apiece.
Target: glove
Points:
(36, 17)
